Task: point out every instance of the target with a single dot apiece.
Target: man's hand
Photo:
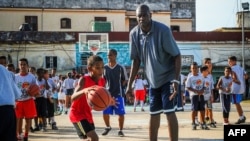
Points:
(129, 94)
(175, 86)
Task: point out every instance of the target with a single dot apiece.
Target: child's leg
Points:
(142, 105)
(92, 135)
(226, 105)
(202, 116)
(193, 116)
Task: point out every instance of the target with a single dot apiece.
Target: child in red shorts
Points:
(25, 105)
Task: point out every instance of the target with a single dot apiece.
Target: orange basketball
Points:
(33, 90)
(98, 98)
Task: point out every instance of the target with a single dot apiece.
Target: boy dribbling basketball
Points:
(80, 112)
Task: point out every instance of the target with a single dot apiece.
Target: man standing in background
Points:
(115, 76)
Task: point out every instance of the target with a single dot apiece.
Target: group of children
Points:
(200, 85)
(42, 106)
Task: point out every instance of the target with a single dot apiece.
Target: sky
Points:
(214, 14)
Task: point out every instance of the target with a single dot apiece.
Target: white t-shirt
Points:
(41, 85)
(238, 88)
(23, 82)
(55, 79)
(139, 84)
(208, 88)
(226, 84)
(68, 83)
(195, 82)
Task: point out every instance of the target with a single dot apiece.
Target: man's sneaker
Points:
(25, 138)
(212, 124)
(204, 127)
(241, 120)
(106, 131)
(194, 126)
(53, 126)
(120, 134)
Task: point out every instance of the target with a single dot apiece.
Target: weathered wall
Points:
(162, 5)
(184, 9)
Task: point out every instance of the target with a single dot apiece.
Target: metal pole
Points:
(243, 43)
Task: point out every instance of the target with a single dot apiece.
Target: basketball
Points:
(33, 90)
(98, 98)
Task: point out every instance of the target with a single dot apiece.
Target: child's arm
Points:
(234, 77)
(200, 92)
(192, 90)
(79, 90)
(218, 86)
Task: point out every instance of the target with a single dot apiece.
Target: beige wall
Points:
(185, 24)
(163, 17)
(49, 20)
(81, 20)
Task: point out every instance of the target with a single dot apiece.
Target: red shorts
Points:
(140, 95)
(26, 109)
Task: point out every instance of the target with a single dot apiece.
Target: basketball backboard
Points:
(93, 42)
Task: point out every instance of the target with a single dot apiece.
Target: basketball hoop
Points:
(94, 49)
(93, 42)
(94, 46)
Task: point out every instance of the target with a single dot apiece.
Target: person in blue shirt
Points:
(9, 92)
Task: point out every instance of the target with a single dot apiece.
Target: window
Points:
(50, 61)
(103, 19)
(32, 22)
(65, 23)
(132, 23)
(175, 28)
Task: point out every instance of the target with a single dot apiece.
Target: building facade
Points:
(88, 16)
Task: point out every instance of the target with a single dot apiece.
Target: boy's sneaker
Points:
(241, 120)
(65, 112)
(197, 122)
(44, 129)
(20, 137)
(57, 113)
(207, 120)
(106, 131)
(53, 126)
(194, 126)
(37, 128)
(204, 127)
(212, 124)
(32, 129)
(120, 134)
